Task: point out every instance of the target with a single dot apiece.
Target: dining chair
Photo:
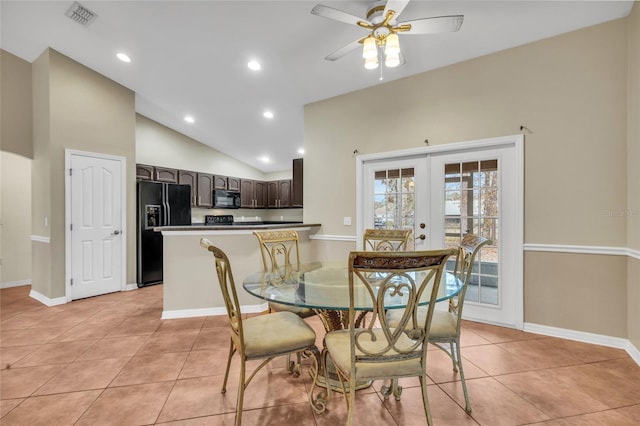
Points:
(445, 326)
(278, 248)
(380, 351)
(385, 239)
(260, 337)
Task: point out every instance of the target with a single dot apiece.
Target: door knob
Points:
(421, 237)
(116, 232)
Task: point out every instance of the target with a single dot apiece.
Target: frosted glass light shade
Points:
(369, 50)
(392, 45)
(371, 63)
(392, 61)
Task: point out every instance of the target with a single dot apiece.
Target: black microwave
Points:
(226, 199)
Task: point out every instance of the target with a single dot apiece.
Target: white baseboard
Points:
(15, 283)
(46, 300)
(128, 287)
(581, 336)
(190, 313)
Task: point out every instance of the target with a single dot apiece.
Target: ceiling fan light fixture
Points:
(392, 61)
(371, 63)
(392, 45)
(370, 49)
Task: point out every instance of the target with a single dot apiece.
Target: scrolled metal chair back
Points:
(279, 249)
(386, 239)
(399, 276)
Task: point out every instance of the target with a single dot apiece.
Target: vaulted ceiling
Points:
(190, 57)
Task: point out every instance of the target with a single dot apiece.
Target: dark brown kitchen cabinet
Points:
(144, 172)
(189, 178)
(279, 194)
(252, 194)
(226, 183)
(204, 190)
(233, 184)
(260, 194)
(165, 174)
(296, 183)
(219, 182)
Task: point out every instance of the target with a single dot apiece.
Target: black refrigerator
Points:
(159, 204)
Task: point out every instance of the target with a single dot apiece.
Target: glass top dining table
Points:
(325, 286)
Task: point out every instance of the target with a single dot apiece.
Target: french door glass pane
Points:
(471, 206)
(394, 200)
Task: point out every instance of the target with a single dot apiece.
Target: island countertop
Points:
(238, 226)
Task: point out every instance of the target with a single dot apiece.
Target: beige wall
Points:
(633, 176)
(87, 112)
(576, 292)
(160, 146)
(40, 177)
(16, 114)
(570, 90)
(15, 222)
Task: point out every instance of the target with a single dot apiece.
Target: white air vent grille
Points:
(80, 14)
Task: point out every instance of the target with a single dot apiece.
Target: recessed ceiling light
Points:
(268, 114)
(301, 151)
(189, 119)
(254, 65)
(264, 159)
(123, 57)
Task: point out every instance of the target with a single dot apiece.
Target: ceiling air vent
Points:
(80, 14)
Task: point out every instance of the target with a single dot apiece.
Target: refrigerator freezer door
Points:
(178, 202)
(149, 242)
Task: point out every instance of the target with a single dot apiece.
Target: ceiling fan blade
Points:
(343, 50)
(337, 15)
(397, 6)
(437, 24)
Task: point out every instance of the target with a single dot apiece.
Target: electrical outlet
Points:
(346, 221)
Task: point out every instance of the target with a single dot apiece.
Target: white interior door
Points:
(96, 202)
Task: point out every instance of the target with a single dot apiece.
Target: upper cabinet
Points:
(297, 183)
(144, 172)
(164, 174)
(205, 190)
(233, 184)
(219, 182)
(157, 174)
(279, 194)
(253, 194)
(226, 183)
(189, 178)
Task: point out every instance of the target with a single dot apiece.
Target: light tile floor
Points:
(111, 360)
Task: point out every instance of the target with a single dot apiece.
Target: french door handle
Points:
(421, 237)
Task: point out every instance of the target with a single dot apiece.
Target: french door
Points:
(443, 194)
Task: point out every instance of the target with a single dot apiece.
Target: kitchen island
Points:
(190, 286)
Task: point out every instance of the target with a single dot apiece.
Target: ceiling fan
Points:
(383, 26)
